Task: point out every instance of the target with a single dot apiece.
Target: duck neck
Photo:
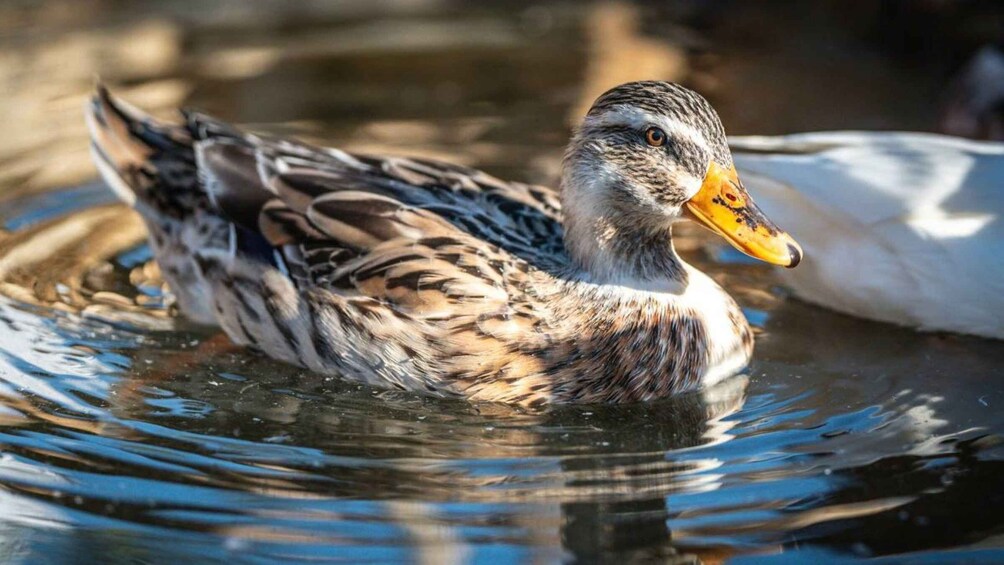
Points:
(615, 247)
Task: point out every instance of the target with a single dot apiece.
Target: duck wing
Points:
(428, 237)
(243, 173)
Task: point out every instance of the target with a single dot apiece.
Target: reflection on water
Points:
(128, 434)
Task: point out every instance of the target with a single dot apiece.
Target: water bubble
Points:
(235, 544)
(861, 549)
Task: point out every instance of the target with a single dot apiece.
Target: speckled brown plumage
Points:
(426, 276)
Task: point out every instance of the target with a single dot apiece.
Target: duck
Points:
(424, 276)
(899, 227)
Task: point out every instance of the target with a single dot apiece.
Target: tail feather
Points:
(143, 160)
(151, 165)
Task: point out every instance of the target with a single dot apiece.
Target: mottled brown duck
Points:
(425, 276)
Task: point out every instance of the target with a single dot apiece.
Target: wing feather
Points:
(435, 241)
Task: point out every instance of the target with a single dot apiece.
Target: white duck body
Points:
(897, 227)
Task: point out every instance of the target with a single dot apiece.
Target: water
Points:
(127, 435)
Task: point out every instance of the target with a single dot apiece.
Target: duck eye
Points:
(655, 137)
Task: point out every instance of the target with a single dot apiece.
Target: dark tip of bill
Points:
(796, 256)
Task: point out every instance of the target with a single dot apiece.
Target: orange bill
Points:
(723, 206)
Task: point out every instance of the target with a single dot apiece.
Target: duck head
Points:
(649, 154)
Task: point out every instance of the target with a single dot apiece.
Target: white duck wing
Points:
(899, 227)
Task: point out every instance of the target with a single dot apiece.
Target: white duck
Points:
(898, 227)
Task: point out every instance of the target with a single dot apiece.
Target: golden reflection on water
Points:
(67, 264)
